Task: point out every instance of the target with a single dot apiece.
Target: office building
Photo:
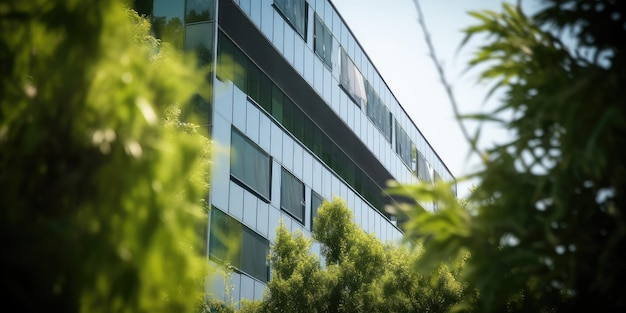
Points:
(307, 116)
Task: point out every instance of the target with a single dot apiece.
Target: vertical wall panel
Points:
(236, 284)
(214, 285)
(287, 220)
(298, 58)
(235, 207)
(249, 209)
(265, 132)
(317, 176)
(220, 168)
(274, 219)
(262, 220)
(255, 12)
(239, 109)
(267, 19)
(224, 99)
(277, 142)
(276, 170)
(297, 160)
(328, 84)
(259, 288)
(307, 169)
(245, 6)
(247, 287)
(252, 122)
(289, 43)
(318, 76)
(326, 184)
(309, 66)
(288, 152)
(278, 35)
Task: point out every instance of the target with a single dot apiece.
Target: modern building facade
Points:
(307, 117)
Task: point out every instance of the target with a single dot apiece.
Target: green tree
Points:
(101, 185)
(360, 273)
(545, 226)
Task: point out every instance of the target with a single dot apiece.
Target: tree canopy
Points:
(102, 184)
(545, 226)
(358, 273)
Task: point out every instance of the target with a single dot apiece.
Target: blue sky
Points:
(392, 37)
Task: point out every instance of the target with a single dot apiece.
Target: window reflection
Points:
(167, 21)
(295, 13)
(199, 37)
(352, 80)
(323, 41)
(232, 243)
(199, 11)
(250, 165)
(292, 195)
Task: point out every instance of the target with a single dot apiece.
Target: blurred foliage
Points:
(360, 273)
(101, 183)
(545, 227)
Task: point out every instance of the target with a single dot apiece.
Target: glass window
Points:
(323, 41)
(250, 165)
(295, 13)
(265, 93)
(254, 82)
(167, 21)
(199, 37)
(352, 80)
(423, 168)
(316, 202)
(378, 112)
(198, 11)
(292, 195)
(225, 58)
(404, 146)
(232, 243)
(224, 236)
(241, 62)
(277, 104)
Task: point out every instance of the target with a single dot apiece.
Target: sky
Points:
(392, 37)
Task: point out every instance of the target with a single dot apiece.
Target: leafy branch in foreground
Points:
(100, 205)
(544, 227)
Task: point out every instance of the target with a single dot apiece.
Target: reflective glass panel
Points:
(199, 37)
(199, 11)
(295, 12)
(292, 195)
(249, 164)
(167, 21)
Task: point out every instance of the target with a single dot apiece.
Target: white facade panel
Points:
(239, 108)
(275, 190)
(249, 209)
(276, 142)
(220, 167)
(288, 43)
(278, 33)
(262, 220)
(255, 12)
(252, 122)
(274, 220)
(247, 287)
(288, 151)
(265, 132)
(307, 169)
(297, 160)
(259, 288)
(235, 205)
(267, 18)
